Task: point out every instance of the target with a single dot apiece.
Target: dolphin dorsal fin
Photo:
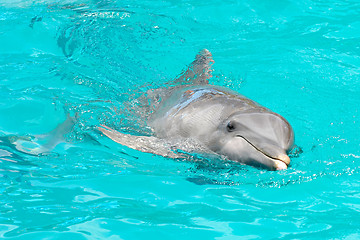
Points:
(199, 71)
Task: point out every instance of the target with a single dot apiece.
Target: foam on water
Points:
(90, 59)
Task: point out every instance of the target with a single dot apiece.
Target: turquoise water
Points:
(89, 59)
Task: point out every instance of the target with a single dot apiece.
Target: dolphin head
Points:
(257, 138)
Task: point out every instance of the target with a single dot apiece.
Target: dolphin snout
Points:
(284, 158)
(279, 165)
(276, 158)
(281, 162)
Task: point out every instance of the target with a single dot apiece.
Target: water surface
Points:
(89, 59)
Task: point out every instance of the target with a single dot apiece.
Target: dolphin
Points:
(218, 119)
(42, 143)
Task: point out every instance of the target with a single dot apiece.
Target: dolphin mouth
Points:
(281, 161)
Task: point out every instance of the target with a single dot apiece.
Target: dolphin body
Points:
(220, 120)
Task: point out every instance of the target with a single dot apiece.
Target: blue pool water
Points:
(89, 59)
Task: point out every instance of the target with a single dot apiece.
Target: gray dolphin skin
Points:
(219, 119)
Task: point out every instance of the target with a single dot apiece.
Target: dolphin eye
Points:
(230, 126)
